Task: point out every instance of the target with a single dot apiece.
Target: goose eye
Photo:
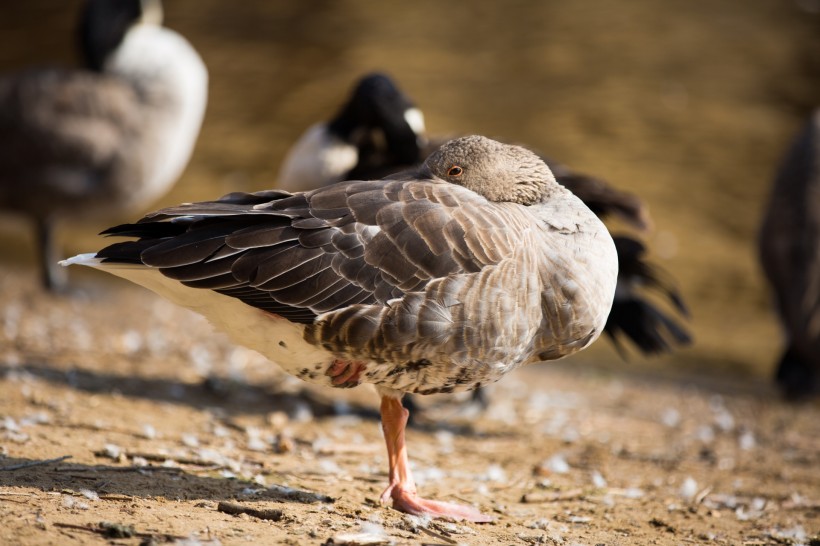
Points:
(455, 171)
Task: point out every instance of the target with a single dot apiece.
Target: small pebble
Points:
(689, 488)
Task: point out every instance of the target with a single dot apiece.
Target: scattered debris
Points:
(598, 480)
(34, 463)
(111, 451)
(688, 489)
(358, 539)
(280, 492)
(234, 509)
(629, 492)
(70, 502)
(443, 535)
(660, 524)
(794, 535)
(552, 496)
(746, 441)
(149, 432)
(370, 533)
(207, 458)
(89, 494)
(724, 420)
(117, 530)
(257, 439)
(329, 448)
(670, 417)
(556, 464)
(494, 473)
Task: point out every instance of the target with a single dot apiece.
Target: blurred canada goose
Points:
(106, 139)
(633, 316)
(789, 243)
(377, 123)
(432, 281)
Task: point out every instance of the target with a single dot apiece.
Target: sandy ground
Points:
(687, 103)
(145, 423)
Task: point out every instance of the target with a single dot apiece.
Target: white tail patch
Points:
(415, 119)
(90, 259)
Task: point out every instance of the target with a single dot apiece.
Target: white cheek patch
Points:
(317, 159)
(415, 119)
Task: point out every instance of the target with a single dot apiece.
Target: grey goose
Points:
(789, 246)
(436, 280)
(385, 134)
(106, 139)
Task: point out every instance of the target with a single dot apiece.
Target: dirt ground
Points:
(118, 407)
(145, 423)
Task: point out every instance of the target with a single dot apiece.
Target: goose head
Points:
(378, 125)
(379, 115)
(499, 172)
(105, 23)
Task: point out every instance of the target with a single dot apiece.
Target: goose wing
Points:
(306, 254)
(388, 271)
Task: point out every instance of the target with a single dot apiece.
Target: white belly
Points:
(274, 337)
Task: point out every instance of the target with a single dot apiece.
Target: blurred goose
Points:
(103, 140)
(377, 116)
(633, 316)
(789, 244)
(432, 281)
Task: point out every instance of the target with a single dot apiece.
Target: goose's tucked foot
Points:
(402, 488)
(346, 373)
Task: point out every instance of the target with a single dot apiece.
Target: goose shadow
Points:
(144, 482)
(232, 396)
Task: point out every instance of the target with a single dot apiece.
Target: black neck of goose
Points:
(402, 142)
(102, 28)
(345, 123)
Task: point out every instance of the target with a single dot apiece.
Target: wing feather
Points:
(303, 255)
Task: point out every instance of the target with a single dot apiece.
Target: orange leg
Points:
(402, 488)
